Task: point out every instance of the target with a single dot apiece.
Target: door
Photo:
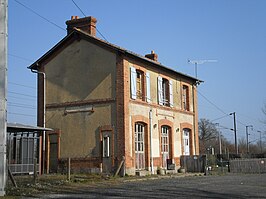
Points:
(53, 153)
(186, 141)
(139, 146)
(165, 145)
(107, 151)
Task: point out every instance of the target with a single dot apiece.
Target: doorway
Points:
(140, 146)
(165, 145)
(186, 138)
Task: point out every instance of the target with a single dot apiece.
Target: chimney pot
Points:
(87, 24)
(153, 56)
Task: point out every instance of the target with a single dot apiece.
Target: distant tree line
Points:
(209, 138)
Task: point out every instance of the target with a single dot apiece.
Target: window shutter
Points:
(148, 88)
(160, 90)
(171, 100)
(133, 79)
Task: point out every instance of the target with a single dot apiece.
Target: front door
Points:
(52, 164)
(186, 142)
(107, 151)
(165, 145)
(139, 146)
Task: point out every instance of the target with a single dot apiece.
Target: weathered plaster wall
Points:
(81, 72)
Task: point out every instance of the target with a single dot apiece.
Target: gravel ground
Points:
(224, 186)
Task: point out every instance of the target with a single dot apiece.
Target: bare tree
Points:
(208, 134)
(242, 145)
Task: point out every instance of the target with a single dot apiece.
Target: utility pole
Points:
(247, 137)
(236, 147)
(3, 91)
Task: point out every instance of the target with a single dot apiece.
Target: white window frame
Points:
(106, 146)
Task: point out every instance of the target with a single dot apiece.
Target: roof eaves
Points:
(138, 56)
(34, 66)
(15, 127)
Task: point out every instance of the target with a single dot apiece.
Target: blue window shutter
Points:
(133, 79)
(160, 90)
(171, 100)
(148, 88)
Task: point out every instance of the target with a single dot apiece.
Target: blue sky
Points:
(231, 32)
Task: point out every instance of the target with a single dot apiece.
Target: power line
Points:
(85, 16)
(21, 105)
(22, 85)
(79, 8)
(11, 113)
(101, 34)
(28, 8)
(19, 57)
(18, 106)
(21, 94)
(212, 103)
(218, 109)
(20, 98)
(220, 118)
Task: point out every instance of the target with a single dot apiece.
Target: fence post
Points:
(68, 169)
(35, 171)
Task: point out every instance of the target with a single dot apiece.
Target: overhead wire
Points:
(36, 13)
(22, 114)
(22, 85)
(85, 16)
(220, 118)
(19, 57)
(79, 8)
(218, 108)
(21, 105)
(16, 93)
(212, 103)
(20, 98)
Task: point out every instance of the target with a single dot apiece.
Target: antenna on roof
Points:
(196, 62)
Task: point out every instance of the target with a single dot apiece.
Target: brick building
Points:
(106, 103)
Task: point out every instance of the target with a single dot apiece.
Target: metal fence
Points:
(248, 165)
(22, 149)
(22, 168)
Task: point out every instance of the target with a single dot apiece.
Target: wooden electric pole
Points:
(3, 91)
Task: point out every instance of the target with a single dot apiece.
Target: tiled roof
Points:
(34, 66)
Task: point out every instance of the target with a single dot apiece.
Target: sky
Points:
(231, 32)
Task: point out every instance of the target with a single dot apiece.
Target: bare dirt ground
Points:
(175, 186)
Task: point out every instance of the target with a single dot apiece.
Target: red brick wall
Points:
(120, 107)
(80, 165)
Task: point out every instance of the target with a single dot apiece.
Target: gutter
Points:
(44, 114)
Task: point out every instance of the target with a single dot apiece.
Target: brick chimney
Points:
(87, 24)
(153, 56)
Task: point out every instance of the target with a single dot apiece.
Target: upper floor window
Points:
(165, 92)
(185, 98)
(140, 84)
